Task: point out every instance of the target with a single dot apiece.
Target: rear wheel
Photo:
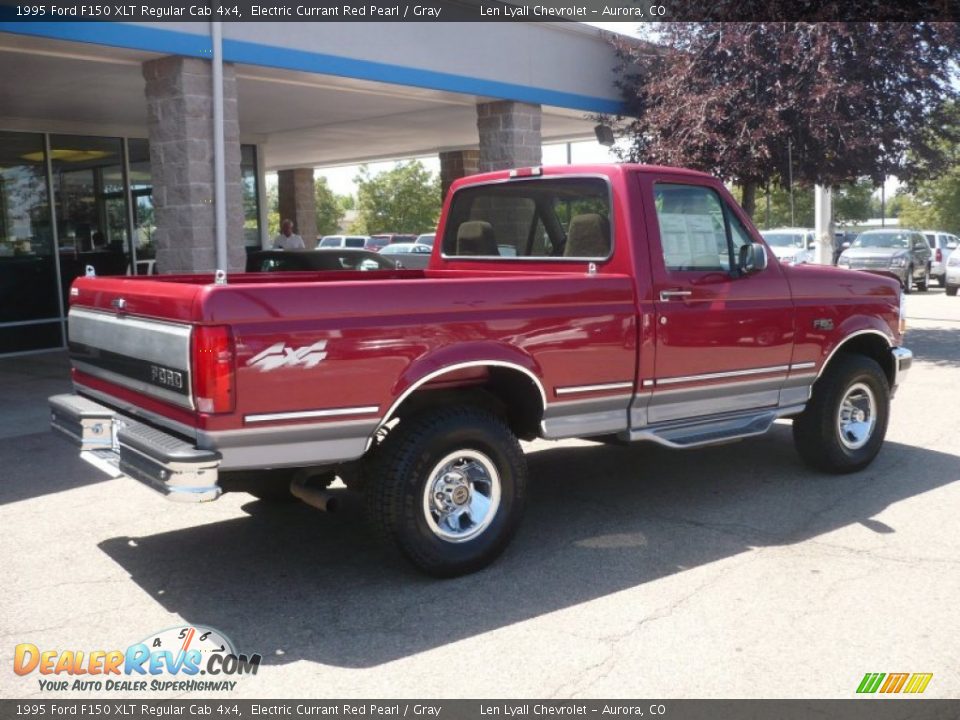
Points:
(844, 425)
(447, 488)
(952, 290)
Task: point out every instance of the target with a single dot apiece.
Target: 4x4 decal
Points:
(279, 355)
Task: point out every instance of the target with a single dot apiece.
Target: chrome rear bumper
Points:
(108, 439)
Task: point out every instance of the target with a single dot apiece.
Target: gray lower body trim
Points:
(669, 405)
(290, 445)
(584, 418)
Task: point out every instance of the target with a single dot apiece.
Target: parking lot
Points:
(638, 571)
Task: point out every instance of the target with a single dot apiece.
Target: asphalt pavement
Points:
(638, 572)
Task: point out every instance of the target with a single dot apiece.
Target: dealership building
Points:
(109, 148)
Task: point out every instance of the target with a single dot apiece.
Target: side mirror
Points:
(753, 258)
(845, 245)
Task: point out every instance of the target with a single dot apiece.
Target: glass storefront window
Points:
(29, 309)
(103, 208)
(91, 206)
(141, 192)
(250, 186)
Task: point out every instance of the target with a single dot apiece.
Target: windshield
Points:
(883, 240)
(783, 239)
(426, 240)
(397, 248)
(330, 242)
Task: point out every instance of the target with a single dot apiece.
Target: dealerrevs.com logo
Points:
(180, 659)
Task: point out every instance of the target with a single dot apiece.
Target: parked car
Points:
(426, 239)
(376, 244)
(793, 246)
(942, 244)
(638, 304)
(320, 259)
(409, 255)
(344, 241)
(392, 238)
(904, 253)
(953, 273)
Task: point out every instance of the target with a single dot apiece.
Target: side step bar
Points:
(107, 439)
(712, 431)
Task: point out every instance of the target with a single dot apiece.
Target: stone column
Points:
(179, 94)
(298, 202)
(455, 164)
(509, 135)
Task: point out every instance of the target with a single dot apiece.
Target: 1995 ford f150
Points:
(612, 301)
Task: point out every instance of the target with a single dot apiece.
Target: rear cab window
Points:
(559, 218)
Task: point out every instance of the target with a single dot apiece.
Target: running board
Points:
(689, 434)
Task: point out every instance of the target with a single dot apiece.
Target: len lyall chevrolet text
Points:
(616, 302)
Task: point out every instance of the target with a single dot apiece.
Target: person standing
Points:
(287, 239)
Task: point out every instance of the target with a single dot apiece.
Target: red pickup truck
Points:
(611, 301)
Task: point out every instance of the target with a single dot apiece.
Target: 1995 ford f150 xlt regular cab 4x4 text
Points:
(607, 301)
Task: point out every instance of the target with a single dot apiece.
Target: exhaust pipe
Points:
(315, 497)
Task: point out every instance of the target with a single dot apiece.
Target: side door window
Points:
(697, 232)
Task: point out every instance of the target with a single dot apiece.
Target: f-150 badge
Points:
(279, 355)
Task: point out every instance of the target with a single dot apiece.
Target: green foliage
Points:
(935, 205)
(779, 215)
(273, 211)
(405, 199)
(329, 209)
(853, 203)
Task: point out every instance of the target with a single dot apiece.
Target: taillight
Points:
(939, 255)
(213, 369)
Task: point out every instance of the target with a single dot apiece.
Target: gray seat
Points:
(588, 236)
(475, 237)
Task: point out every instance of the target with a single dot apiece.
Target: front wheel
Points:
(924, 282)
(447, 489)
(907, 284)
(844, 425)
(952, 290)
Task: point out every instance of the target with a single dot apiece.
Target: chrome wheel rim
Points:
(857, 416)
(461, 496)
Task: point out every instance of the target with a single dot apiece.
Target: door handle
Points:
(667, 295)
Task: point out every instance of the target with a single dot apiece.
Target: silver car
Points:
(903, 253)
(953, 274)
(942, 244)
(792, 246)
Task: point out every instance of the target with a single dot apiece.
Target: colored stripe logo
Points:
(908, 683)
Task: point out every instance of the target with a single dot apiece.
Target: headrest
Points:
(588, 236)
(475, 237)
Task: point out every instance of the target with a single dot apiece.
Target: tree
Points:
(405, 199)
(329, 209)
(823, 103)
(853, 202)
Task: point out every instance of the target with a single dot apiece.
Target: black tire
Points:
(923, 285)
(396, 483)
(907, 284)
(816, 431)
(952, 290)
